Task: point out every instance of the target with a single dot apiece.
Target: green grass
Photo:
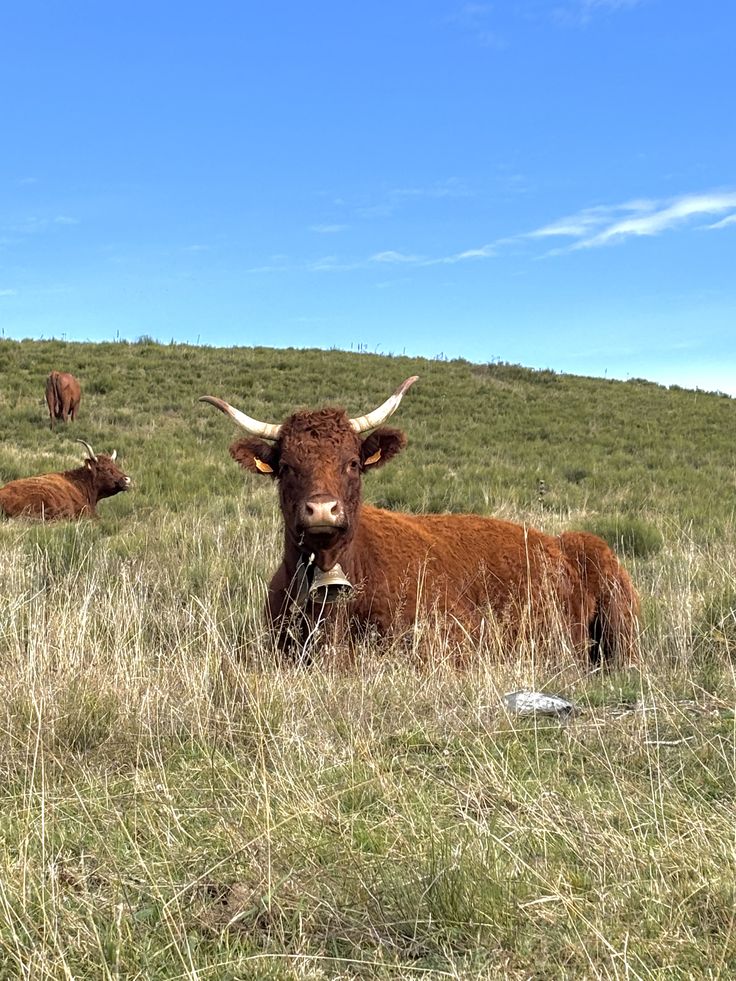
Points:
(629, 536)
(179, 804)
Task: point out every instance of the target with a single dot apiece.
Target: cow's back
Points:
(49, 496)
(71, 390)
(461, 565)
(63, 395)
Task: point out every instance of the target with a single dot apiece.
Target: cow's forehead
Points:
(320, 429)
(105, 460)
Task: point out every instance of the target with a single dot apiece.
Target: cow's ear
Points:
(381, 446)
(256, 455)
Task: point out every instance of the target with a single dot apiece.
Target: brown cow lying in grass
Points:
(65, 495)
(476, 574)
(63, 395)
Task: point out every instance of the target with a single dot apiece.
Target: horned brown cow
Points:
(65, 495)
(63, 395)
(476, 573)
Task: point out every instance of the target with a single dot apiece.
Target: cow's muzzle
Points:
(321, 515)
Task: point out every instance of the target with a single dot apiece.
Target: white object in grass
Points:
(537, 703)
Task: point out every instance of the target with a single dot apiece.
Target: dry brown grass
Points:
(179, 804)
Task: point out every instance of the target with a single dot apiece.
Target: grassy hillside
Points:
(177, 803)
(480, 435)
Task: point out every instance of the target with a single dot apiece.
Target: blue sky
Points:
(549, 183)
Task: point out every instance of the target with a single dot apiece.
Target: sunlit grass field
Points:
(179, 804)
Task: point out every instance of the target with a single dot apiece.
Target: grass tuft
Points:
(629, 536)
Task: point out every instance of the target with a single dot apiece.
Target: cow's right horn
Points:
(89, 449)
(362, 424)
(253, 426)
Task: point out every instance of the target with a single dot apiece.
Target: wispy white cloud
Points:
(728, 220)
(663, 218)
(589, 219)
(593, 227)
(390, 256)
(484, 252)
(588, 228)
(332, 263)
(8, 292)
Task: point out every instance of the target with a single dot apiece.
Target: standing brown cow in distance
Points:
(63, 395)
(65, 495)
(476, 573)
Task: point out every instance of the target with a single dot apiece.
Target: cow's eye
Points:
(354, 466)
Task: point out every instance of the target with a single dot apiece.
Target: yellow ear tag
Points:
(263, 467)
(373, 458)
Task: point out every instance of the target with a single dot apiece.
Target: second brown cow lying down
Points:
(70, 494)
(475, 574)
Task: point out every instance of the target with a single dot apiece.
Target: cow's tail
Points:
(53, 397)
(613, 631)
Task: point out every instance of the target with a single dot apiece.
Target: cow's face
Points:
(318, 458)
(109, 479)
(319, 462)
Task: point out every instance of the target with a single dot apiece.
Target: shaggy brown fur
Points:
(63, 395)
(475, 572)
(64, 495)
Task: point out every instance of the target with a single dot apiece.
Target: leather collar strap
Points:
(302, 581)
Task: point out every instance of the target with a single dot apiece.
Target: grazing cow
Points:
(65, 495)
(63, 395)
(476, 573)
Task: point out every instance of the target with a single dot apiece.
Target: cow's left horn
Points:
(89, 449)
(363, 423)
(253, 426)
